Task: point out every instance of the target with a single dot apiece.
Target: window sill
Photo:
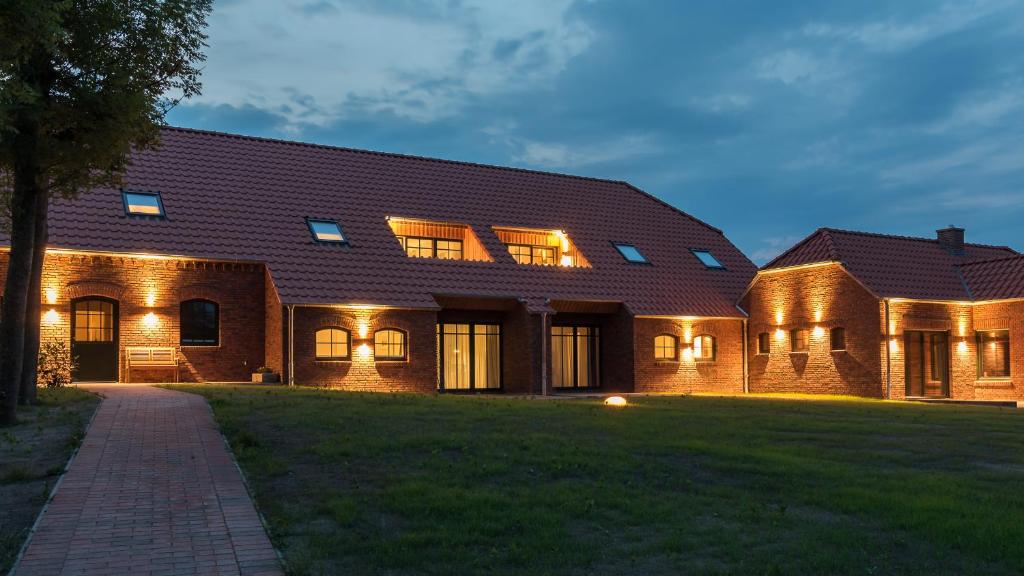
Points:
(199, 346)
(799, 353)
(843, 351)
(994, 383)
(391, 360)
(332, 360)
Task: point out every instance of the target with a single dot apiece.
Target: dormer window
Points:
(438, 240)
(326, 231)
(540, 247)
(631, 253)
(142, 204)
(707, 259)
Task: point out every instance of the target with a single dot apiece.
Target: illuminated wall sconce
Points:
(688, 352)
(894, 345)
(818, 332)
(817, 315)
(566, 260)
(51, 296)
(51, 317)
(961, 347)
(363, 351)
(363, 329)
(780, 334)
(150, 320)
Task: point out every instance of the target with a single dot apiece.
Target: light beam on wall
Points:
(51, 317)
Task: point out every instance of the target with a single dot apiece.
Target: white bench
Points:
(150, 357)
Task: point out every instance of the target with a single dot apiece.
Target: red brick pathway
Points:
(153, 491)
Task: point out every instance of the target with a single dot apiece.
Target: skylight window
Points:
(707, 258)
(142, 204)
(631, 253)
(326, 231)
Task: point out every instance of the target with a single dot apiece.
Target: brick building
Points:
(369, 271)
(888, 316)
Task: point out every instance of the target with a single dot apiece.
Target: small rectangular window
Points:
(707, 258)
(838, 337)
(142, 204)
(798, 340)
(994, 354)
(631, 253)
(764, 343)
(326, 231)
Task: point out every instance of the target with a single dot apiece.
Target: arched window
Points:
(389, 344)
(332, 344)
(705, 348)
(200, 323)
(666, 347)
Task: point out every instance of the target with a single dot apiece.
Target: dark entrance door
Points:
(927, 364)
(94, 339)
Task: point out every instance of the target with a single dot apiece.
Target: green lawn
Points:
(405, 484)
(32, 456)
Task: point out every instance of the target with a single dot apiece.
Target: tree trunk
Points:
(33, 308)
(26, 191)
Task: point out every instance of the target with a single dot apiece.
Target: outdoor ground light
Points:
(617, 401)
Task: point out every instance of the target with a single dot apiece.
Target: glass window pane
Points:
(326, 231)
(631, 253)
(707, 259)
(994, 354)
(142, 204)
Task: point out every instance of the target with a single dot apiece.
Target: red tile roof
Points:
(997, 279)
(244, 198)
(892, 266)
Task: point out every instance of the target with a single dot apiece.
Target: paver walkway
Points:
(153, 490)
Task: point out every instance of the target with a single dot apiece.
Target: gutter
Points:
(888, 354)
(291, 344)
(746, 359)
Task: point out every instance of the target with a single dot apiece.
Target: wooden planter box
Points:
(265, 377)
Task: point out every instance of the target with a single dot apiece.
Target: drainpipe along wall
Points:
(888, 354)
(291, 345)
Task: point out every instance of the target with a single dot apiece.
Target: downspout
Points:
(746, 359)
(291, 345)
(544, 353)
(888, 354)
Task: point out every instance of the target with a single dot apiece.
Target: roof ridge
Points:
(832, 252)
(798, 245)
(916, 238)
(405, 156)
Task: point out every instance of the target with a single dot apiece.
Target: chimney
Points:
(952, 239)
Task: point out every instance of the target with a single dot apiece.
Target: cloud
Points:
(894, 34)
(559, 155)
(350, 58)
(772, 247)
(789, 67)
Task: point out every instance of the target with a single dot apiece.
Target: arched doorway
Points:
(94, 338)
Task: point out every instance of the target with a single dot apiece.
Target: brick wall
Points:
(273, 338)
(149, 293)
(686, 375)
(616, 347)
(417, 373)
(925, 316)
(822, 298)
(1001, 316)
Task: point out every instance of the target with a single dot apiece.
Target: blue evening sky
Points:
(765, 119)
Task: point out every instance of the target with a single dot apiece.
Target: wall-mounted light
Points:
(778, 317)
(566, 260)
(51, 317)
(780, 334)
(961, 347)
(363, 329)
(150, 320)
(51, 296)
(688, 352)
(894, 345)
(818, 332)
(363, 351)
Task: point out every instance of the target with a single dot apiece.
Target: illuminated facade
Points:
(367, 271)
(889, 317)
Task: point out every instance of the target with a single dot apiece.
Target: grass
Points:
(406, 484)
(32, 456)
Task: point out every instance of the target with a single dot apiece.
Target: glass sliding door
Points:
(575, 361)
(927, 364)
(469, 356)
